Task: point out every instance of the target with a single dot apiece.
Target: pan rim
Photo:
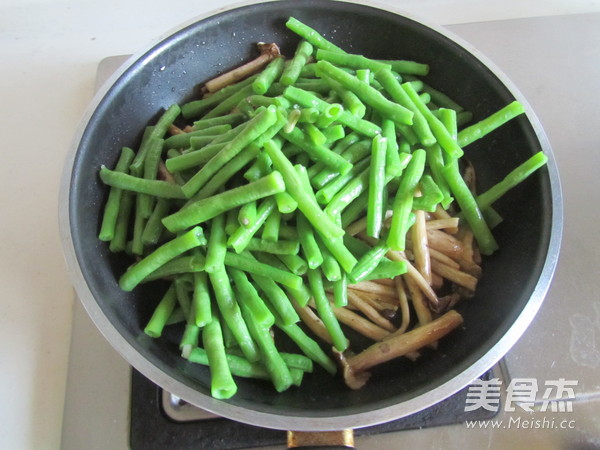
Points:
(301, 423)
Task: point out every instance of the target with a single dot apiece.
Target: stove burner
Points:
(160, 420)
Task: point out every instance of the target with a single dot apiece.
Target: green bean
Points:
(349, 99)
(314, 134)
(340, 291)
(396, 239)
(350, 60)
(248, 297)
(217, 244)
(229, 103)
(318, 152)
(207, 208)
(368, 262)
(294, 263)
(127, 182)
(255, 127)
(222, 385)
(329, 115)
(139, 223)
(348, 193)
(189, 340)
(179, 265)
(271, 229)
(327, 192)
(249, 264)
(201, 306)
(492, 218)
(407, 67)
(355, 209)
(337, 248)
(166, 252)
(308, 100)
(330, 267)
(515, 177)
(333, 133)
(353, 153)
(301, 295)
(228, 119)
(375, 208)
(273, 71)
(154, 226)
(448, 118)
(431, 195)
(118, 242)
(275, 248)
(468, 205)
(435, 160)
(387, 269)
(241, 237)
(260, 168)
(294, 187)
(278, 300)
(227, 171)
(239, 366)
(364, 75)
(151, 162)
(230, 310)
(112, 207)
(308, 115)
(368, 94)
(490, 123)
(308, 346)
(165, 121)
(310, 248)
(301, 56)
(312, 36)
(274, 363)
(197, 107)
(198, 142)
(439, 131)
(442, 99)
(137, 166)
(464, 117)
(161, 313)
(397, 93)
(183, 140)
(325, 312)
(297, 361)
(247, 214)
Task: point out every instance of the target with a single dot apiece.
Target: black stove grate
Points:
(151, 429)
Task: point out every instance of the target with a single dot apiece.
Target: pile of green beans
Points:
(244, 215)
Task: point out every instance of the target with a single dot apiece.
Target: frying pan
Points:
(515, 279)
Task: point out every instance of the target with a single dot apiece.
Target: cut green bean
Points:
(154, 226)
(350, 60)
(442, 135)
(441, 99)
(325, 312)
(161, 313)
(242, 235)
(249, 264)
(217, 244)
(195, 108)
(247, 214)
(248, 295)
(294, 263)
(375, 208)
(273, 71)
(127, 182)
(271, 228)
(301, 295)
(311, 35)
(515, 177)
(280, 247)
(327, 192)
(489, 124)
(294, 187)
(407, 67)
(468, 205)
(119, 241)
(137, 166)
(151, 163)
(231, 313)
(368, 94)
(183, 140)
(222, 385)
(232, 119)
(292, 71)
(179, 265)
(201, 305)
(255, 127)
(207, 208)
(340, 291)
(402, 207)
(112, 206)
(166, 252)
(310, 248)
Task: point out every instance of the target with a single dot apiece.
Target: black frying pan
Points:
(515, 279)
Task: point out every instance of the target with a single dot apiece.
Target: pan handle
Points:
(321, 440)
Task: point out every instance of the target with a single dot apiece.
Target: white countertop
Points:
(50, 51)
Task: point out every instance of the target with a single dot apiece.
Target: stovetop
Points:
(555, 62)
